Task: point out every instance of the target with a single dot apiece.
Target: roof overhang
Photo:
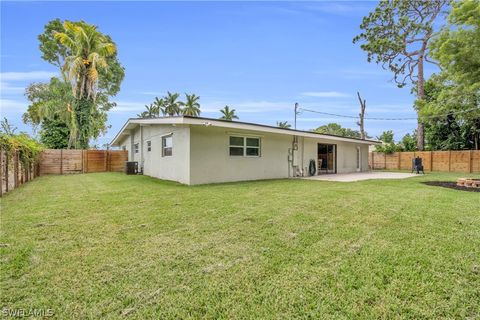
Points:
(133, 123)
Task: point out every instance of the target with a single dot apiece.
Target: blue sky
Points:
(258, 57)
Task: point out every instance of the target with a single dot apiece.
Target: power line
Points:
(389, 119)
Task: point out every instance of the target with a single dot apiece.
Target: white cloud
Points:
(128, 106)
(6, 88)
(7, 104)
(325, 94)
(26, 76)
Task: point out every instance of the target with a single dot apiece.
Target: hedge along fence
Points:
(19, 156)
(467, 161)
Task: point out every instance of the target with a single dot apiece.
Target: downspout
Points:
(132, 146)
(141, 148)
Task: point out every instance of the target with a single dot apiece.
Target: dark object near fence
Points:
(417, 165)
(131, 167)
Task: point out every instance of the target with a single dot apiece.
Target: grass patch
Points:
(108, 246)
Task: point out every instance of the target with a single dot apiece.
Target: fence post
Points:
(6, 171)
(15, 170)
(398, 162)
(384, 161)
(431, 160)
(61, 161)
(105, 158)
(470, 160)
(449, 160)
(373, 160)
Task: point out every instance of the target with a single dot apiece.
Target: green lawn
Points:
(109, 245)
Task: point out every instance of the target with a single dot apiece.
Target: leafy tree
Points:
(7, 128)
(88, 61)
(228, 114)
(389, 145)
(172, 105)
(191, 107)
(409, 142)
(396, 34)
(284, 124)
(54, 134)
(453, 96)
(338, 130)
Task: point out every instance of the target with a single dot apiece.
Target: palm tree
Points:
(160, 104)
(191, 106)
(152, 111)
(89, 50)
(172, 106)
(228, 114)
(283, 124)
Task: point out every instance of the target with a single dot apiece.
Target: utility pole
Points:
(296, 112)
(360, 123)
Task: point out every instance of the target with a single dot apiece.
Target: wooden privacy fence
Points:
(467, 161)
(14, 173)
(54, 161)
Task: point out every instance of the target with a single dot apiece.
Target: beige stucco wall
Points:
(175, 167)
(211, 162)
(201, 154)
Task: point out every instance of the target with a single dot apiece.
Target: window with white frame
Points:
(167, 145)
(135, 147)
(244, 146)
(149, 146)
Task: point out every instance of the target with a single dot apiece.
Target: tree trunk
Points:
(361, 123)
(420, 96)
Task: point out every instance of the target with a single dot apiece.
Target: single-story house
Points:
(194, 150)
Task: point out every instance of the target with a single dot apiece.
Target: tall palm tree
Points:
(152, 111)
(172, 106)
(160, 104)
(283, 124)
(89, 50)
(228, 114)
(191, 106)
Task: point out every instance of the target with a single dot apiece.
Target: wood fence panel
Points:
(475, 161)
(391, 161)
(117, 160)
(96, 161)
(441, 161)
(50, 162)
(406, 160)
(72, 161)
(426, 159)
(445, 161)
(379, 160)
(460, 161)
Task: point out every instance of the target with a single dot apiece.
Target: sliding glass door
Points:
(327, 158)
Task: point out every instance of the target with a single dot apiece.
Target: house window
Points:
(244, 146)
(149, 146)
(167, 146)
(135, 147)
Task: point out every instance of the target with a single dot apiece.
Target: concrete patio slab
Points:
(358, 176)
